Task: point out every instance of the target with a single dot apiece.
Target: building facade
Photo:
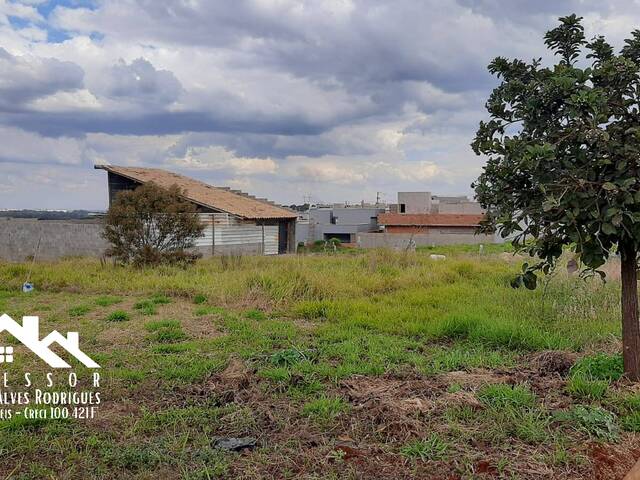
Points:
(338, 221)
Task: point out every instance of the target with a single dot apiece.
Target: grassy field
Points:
(352, 365)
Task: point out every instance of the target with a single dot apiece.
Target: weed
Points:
(432, 448)
(290, 356)
(594, 421)
(129, 375)
(454, 387)
(118, 316)
(169, 335)
(23, 423)
(599, 367)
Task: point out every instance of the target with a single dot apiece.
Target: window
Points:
(403, 208)
(6, 354)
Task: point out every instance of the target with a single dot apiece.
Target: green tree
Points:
(563, 147)
(152, 225)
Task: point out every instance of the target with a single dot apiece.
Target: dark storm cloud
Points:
(530, 12)
(26, 79)
(378, 53)
(139, 81)
(55, 124)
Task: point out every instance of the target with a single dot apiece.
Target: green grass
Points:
(118, 316)
(199, 299)
(107, 300)
(342, 348)
(208, 310)
(255, 314)
(156, 325)
(582, 388)
(324, 410)
(432, 448)
(159, 299)
(165, 331)
(146, 307)
(631, 422)
(502, 396)
(79, 310)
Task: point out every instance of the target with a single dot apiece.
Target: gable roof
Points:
(430, 219)
(222, 199)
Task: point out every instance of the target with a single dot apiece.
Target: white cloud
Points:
(218, 158)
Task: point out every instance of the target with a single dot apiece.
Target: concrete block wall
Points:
(19, 239)
(414, 202)
(401, 240)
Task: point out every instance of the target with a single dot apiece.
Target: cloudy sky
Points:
(337, 99)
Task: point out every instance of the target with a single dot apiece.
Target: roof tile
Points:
(217, 198)
(430, 219)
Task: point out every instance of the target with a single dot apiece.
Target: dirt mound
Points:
(394, 407)
(553, 362)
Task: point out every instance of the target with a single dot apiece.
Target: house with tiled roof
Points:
(235, 222)
(420, 218)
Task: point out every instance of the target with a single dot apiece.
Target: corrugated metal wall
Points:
(224, 230)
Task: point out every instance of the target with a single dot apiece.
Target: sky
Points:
(337, 99)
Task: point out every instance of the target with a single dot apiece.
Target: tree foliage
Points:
(563, 147)
(152, 225)
(564, 150)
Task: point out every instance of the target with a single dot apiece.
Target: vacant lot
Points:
(355, 365)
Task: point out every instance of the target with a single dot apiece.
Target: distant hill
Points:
(51, 214)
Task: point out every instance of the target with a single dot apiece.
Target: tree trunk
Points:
(630, 321)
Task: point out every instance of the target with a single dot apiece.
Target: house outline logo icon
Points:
(29, 335)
